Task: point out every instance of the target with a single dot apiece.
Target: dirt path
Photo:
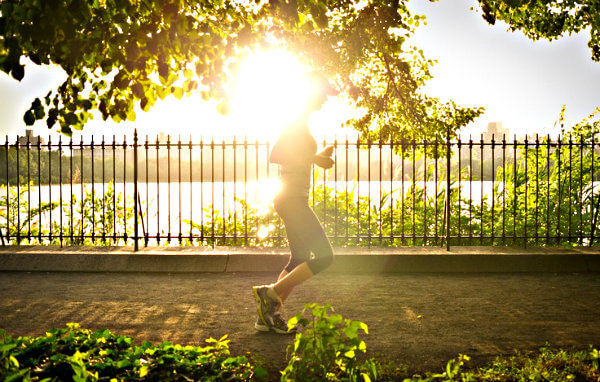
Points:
(421, 320)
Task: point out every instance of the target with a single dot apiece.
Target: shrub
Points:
(20, 218)
(330, 348)
(81, 355)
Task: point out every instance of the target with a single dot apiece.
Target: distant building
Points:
(33, 140)
(496, 130)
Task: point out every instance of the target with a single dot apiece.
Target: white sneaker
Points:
(266, 301)
(280, 326)
(260, 325)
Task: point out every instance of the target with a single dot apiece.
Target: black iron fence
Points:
(146, 191)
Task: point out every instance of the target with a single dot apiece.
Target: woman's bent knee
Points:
(320, 263)
(292, 263)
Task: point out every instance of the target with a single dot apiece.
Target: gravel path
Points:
(421, 320)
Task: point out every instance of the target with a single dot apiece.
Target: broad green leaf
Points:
(177, 92)
(6, 347)
(14, 360)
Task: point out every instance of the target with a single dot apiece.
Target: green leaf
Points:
(364, 327)
(106, 65)
(177, 92)
(39, 112)
(71, 119)
(14, 360)
(29, 118)
(260, 373)
(123, 363)
(162, 92)
(52, 117)
(292, 322)
(362, 346)
(34, 58)
(7, 347)
(143, 371)
(18, 72)
(131, 115)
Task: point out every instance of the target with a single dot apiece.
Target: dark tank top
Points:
(298, 148)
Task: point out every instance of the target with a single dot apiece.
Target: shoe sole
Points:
(265, 329)
(258, 307)
(261, 328)
(279, 331)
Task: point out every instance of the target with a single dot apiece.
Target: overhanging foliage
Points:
(119, 54)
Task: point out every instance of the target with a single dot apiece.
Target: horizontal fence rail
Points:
(533, 191)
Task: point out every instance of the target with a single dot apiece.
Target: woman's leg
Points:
(284, 285)
(282, 274)
(305, 235)
(282, 297)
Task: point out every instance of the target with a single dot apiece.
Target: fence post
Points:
(135, 191)
(448, 146)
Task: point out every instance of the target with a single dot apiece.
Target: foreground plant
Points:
(547, 364)
(78, 354)
(330, 348)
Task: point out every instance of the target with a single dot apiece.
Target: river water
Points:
(170, 206)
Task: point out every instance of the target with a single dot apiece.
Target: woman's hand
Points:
(327, 152)
(323, 161)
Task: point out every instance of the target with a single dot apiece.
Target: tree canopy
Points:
(119, 54)
(548, 19)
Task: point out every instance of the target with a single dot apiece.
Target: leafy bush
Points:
(78, 354)
(330, 348)
(96, 218)
(18, 218)
(544, 365)
(243, 224)
(543, 195)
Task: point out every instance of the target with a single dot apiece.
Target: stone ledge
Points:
(348, 260)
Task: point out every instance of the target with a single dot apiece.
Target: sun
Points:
(269, 92)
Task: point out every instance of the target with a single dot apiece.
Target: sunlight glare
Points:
(265, 192)
(269, 93)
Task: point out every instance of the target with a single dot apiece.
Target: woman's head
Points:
(320, 89)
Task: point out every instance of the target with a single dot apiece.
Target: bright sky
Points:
(519, 82)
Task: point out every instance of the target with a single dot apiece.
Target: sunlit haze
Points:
(270, 92)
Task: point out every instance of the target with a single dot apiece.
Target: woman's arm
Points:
(323, 159)
(280, 151)
(276, 154)
(292, 149)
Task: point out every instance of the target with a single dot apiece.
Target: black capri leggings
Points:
(304, 233)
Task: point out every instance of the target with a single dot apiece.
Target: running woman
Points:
(295, 152)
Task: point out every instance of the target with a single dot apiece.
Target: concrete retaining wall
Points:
(347, 260)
